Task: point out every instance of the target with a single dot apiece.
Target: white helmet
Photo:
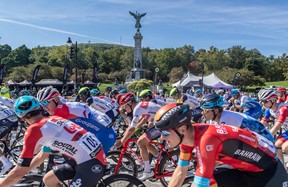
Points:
(47, 93)
(267, 94)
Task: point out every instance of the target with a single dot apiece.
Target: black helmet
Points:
(172, 116)
(211, 101)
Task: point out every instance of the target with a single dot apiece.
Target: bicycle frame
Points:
(162, 149)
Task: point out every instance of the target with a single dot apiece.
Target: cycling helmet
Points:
(172, 116)
(24, 92)
(47, 93)
(234, 92)
(26, 104)
(211, 101)
(94, 92)
(84, 91)
(114, 92)
(174, 91)
(123, 91)
(267, 94)
(145, 93)
(4, 90)
(281, 89)
(198, 91)
(125, 98)
(108, 88)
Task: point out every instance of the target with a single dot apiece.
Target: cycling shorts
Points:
(85, 174)
(236, 178)
(283, 137)
(152, 134)
(6, 126)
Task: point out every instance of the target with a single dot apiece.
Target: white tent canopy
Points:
(211, 81)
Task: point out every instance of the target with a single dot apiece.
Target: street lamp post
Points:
(72, 52)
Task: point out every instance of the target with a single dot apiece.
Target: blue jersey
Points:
(107, 136)
(251, 107)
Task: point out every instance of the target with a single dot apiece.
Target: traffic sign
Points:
(156, 70)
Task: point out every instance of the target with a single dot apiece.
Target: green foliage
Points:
(140, 85)
(175, 73)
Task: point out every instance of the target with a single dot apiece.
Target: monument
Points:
(137, 72)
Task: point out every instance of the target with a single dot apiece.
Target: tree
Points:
(4, 51)
(236, 57)
(175, 74)
(140, 85)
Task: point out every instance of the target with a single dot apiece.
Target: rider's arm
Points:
(178, 176)
(40, 157)
(131, 129)
(276, 127)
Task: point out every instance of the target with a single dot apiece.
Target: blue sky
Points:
(260, 24)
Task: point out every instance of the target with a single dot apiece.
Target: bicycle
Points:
(128, 161)
(35, 180)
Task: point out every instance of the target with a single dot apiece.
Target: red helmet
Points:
(281, 89)
(125, 98)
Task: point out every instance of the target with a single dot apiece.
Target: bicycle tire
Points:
(30, 180)
(132, 168)
(163, 163)
(115, 180)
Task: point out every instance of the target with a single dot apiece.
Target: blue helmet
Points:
(198, 91)
(94, 92)
(24, 92)
(234, 92)
(122, 91)
(25, 104)
(211, 101)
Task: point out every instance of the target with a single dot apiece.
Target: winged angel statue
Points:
(137, 17)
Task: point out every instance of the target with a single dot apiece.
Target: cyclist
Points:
(282, 95)
(212, 110)
(146, 95)
(61, 135)
(49, 99)
(278, 110)
(247, 105)
(7, 102)
(8, 120)
(252, 156)
(98, 103)
(143, 112)
(185, 98)
(198, 94)
(108, 90)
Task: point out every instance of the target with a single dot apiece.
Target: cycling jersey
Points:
(283, 99)
(142, 110)
(64, 136)
(192, 101)
(280, 114)
(110, 100)
(70, 110)
(8, 120)
(251, 107)
(239, 148)
(103, 106)
(244, 121)
(159, 102)
(7, 102)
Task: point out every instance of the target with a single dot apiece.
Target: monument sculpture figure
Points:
(137, 17)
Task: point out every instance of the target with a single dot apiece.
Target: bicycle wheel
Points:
(167, 167)
(128, 165)
(120, 180)
(31, 180)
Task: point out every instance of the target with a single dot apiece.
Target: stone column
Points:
(138, 50)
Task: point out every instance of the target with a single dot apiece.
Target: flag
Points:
(35, 73)
(65, 74)
(1, 72)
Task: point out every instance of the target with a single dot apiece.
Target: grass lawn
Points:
(279, 83)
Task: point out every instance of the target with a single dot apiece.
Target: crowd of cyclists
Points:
(226, 132)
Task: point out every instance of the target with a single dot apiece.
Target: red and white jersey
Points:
(62, 135)
(110, 100)
(280, 114)
(72, 110)
(7, 102)
(144, 109)
(101, 105)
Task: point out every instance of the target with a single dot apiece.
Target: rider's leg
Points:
(50, 180)
(142, 143)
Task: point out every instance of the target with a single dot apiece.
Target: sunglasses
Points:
(165, 133)
(45, 103)
(265, 101)
(205, 111)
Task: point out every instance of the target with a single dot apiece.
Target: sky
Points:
(260, 24)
